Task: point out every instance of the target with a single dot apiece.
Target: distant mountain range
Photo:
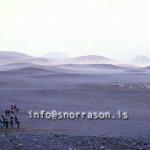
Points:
(13, 55)
(91, 59)
(141, 60)
(19, 60)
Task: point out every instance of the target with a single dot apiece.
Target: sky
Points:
(115, 28)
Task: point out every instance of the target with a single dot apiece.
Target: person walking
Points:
(4, 120)
(1, 122)
(18, 123)
(12, 121)
(7, 123)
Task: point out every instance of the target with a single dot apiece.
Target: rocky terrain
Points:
(22, 141)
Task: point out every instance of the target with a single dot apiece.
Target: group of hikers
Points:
(9, 118)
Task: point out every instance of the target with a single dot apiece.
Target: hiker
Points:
(1, 123)
(12, 107)
(16, 110)
(18, 123)
(7, 123)
(15, 118)
(10, 118)
(12, 112)
(4, 120)
(12, 121)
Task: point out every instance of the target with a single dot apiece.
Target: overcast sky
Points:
(116, 28)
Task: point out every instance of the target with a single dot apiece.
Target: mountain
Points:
(13, 55)
(20, 64)
(91, 59)
(146, 68)
(17, 65)
(87, 68)
(60, 69)
(93, 66)
(128, 66)
(141, 60)
(57, 55)
(26, 71)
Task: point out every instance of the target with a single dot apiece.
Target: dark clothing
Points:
(7, 124)
(10, 118)
(1, 123)
(15, 119)
(4, 120)
(12, 123)
(18, 123)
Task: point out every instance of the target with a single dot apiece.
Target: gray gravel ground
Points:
(22, 141)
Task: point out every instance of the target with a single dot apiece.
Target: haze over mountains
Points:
(16, 60)
(12, 57)
(141, 60)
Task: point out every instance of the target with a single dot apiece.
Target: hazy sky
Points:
(115, 28)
